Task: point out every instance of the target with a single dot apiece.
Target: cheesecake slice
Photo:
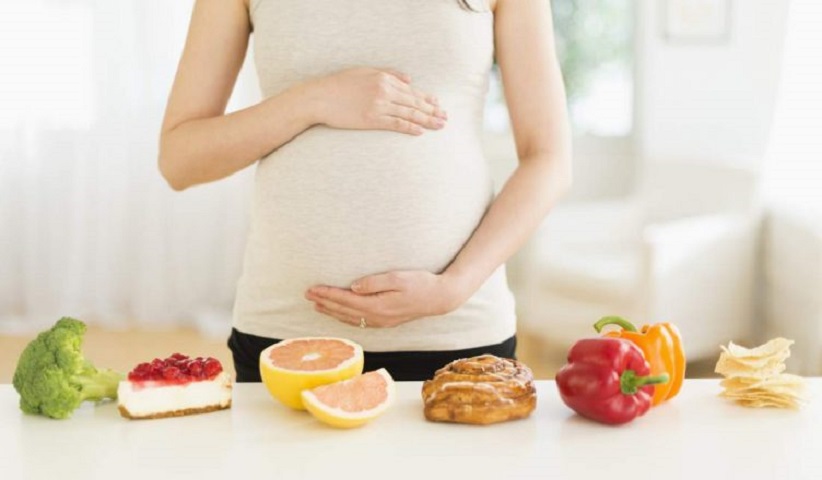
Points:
(174, 387)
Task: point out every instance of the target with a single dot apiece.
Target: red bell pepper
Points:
(607, 380)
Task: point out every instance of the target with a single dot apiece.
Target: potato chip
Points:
(780, 382)
(754, 376)
(773, 347)
(761, 393)
(751, 362)
(738, 383)
(758, 403)
(730, 367)
(764, 396)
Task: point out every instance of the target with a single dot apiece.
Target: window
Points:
(594, 40)
(45, 57)
(793, 171)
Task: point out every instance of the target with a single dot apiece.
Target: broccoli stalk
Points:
(52, 376)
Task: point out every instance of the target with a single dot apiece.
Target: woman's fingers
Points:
(414, 116)
(400, 75)
(411, 97)
(412, 109)
(338, 311)
(381, 282)
(400, 107)
(343, 318)
(363, 98)
(412, 105)
(397, 124)
(429, 100)
(346, 315)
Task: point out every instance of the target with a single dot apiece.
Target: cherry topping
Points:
(170, 373)
(177, 368)
(212, 367)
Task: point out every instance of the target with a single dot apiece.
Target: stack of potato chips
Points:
(754, 376)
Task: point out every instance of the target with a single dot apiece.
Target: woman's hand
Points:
(366, 98)
(389, 299)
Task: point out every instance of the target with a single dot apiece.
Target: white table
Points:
(696, 435)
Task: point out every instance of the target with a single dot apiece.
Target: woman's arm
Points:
(535, 96)
(199, 143)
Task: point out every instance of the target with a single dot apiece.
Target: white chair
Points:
(682, 249)
(793, 282)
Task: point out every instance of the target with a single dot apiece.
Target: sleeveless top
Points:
(334, 205)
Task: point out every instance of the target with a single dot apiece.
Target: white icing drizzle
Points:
(494, 374)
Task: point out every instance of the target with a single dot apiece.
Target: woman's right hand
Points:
(366, 98)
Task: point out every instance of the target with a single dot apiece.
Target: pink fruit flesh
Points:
(311, 355)
(356, 395)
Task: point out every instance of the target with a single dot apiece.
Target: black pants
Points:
(402, 366)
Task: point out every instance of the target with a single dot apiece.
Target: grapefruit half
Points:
(351, 403)
(291, 366)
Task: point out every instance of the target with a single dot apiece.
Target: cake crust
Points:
(173, 413)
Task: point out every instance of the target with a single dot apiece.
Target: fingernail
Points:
(355, 286)
(439, 123)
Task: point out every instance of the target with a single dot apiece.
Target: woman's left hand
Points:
(388, 299)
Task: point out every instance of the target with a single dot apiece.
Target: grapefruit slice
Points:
(351, 403)
(291, 366)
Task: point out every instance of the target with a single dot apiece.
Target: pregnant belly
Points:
(334, 205)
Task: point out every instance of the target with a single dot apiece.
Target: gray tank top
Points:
(334, 205)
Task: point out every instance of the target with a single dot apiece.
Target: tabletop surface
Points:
(697, 433)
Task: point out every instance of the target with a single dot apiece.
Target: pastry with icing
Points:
(480, 390)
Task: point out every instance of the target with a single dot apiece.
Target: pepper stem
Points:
(625, 324)
(630, 383)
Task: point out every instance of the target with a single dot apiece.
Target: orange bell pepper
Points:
(662, 345)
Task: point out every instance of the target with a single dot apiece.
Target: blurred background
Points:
(697, 196)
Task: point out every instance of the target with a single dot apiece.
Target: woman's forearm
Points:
(533, 189)
(208, 149)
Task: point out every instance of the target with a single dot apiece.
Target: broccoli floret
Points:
(52, 376)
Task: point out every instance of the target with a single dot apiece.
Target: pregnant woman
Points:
(373, 215)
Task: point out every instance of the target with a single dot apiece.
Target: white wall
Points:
(709, 102)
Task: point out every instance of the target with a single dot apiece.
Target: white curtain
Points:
(88, 226)
(794, 160)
